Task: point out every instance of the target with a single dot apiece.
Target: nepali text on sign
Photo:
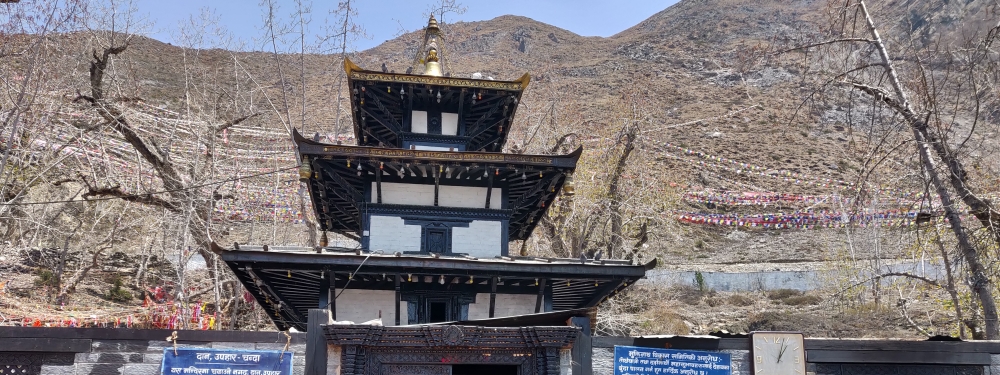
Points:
(631, 360)
(204, 361)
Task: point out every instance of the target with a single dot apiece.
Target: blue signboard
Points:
(631, 360)
(204, 361)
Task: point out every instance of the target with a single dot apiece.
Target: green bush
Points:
(699, 281)
(46, 278)
(118, 293)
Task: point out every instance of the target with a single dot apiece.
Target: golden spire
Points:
(431, 54)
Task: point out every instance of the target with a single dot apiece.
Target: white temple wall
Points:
(482, 239)
(467, 197)
(389, 234)
(359, 306)
(411, 194)
(506, 305)
(449, 123)
(431, 148)
(448, 196)
(418, 122)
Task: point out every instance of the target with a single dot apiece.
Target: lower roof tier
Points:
(289, 283)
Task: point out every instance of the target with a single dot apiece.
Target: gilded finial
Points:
(432, 24)
(431, 55)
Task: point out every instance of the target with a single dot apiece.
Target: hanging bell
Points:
(568, 187)
(305, 169)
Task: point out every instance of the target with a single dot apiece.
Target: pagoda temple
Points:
(433, 204)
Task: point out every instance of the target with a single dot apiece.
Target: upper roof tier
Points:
(431, 110)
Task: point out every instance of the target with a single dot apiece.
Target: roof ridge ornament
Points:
(431, 55)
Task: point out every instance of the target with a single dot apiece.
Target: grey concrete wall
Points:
(798, 280)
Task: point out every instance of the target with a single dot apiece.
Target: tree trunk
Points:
(980, 283)
(617, 239)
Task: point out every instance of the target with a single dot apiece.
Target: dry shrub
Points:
(740, 300)
(688, 294)
(802, 300)
(660, 319)
(715, 301)
(780, 294)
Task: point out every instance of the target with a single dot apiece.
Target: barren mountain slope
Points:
(702, 72)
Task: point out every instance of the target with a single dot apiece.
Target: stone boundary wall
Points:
(99, 351)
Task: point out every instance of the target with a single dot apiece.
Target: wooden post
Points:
(316, 342)
(324, 290)
(541, 295)
(333, 296)
(489, 190)
(397, 299)
(493, 295)
(437, 182)
(378, 185)
(583, 347)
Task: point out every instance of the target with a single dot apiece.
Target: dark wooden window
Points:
(439, 310)
(433, 306)
(434, 122)
(436, 240)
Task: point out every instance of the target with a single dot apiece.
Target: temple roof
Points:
(287, 283)
(379, 101)
(338, 175)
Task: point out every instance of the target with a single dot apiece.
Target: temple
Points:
(433, 204)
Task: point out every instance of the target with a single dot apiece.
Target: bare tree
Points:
(929, 90)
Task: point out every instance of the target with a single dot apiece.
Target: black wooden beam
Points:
(603, 292)
(339, 180)
(324, 290)
(378, 185)
(275, 295)
(489, 189)
(316, 357)
(388, 123)
(430, 265)
(437, 183)
(493, 295)
(398, 296)
(541, 295)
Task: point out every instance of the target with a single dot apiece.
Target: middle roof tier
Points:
(349, 182)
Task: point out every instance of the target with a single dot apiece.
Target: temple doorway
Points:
(483, 370)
